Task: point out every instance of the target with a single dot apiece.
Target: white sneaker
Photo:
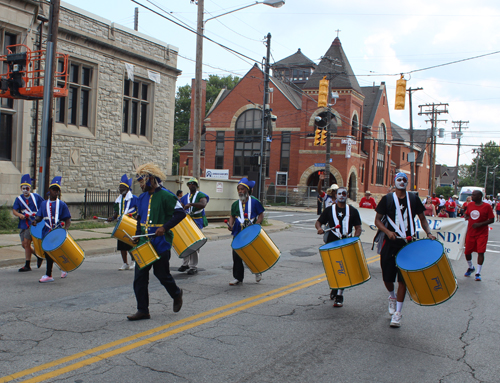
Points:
(396, 319)
(258, 277)
(392, 305)
(64, 274)
(125, 266)
(132, 265)
(235, 282)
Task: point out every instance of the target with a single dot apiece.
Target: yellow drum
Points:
(63, 249)
(188, 238)
(427, 272)
(345, 263)
(36, 236)
(125, 225)
(144, 255)
(256, 249)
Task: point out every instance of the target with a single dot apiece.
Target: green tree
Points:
(446, 191)
(488, 159)
(183, 110)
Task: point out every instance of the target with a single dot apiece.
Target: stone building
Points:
(119, 111)
(361, 114)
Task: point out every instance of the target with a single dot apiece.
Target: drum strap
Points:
(345, 221)
(28, 210)
(49, 212)
(193, 200)
(241, 218)
(401, 228)
(121, 201)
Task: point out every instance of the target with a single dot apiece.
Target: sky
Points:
(381, 40)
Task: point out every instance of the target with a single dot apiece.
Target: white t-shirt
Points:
(442, 201)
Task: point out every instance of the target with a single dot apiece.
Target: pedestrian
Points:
(55, 214)
(126, 203)
(368, 202)
(430, 210)
(450, 207)
(398, 209)
(320, 204)
(179, 194)
(245, 211)
(157, 212)
(435, 202)
(25, 208)
(479, 215)
(497, 209)
(442, 202)
(344, 218)
(331, 193)
(468, 200)
(194, 204)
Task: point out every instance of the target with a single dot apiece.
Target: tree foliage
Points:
(446, 191)
(487, 164)
(183, 110)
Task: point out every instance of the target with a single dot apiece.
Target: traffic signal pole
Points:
(328, 138)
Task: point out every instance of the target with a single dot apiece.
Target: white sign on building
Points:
(217, 173)
(219, 188)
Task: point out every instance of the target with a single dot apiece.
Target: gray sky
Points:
(381, 39)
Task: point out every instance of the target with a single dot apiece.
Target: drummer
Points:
(343, 218)
(25, 207)
(194, 204)
(54, 213)
(157, 212)
(246, 211)
(399, 208)
(126, 203)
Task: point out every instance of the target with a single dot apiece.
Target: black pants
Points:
(161, 270)
(238, 267)
(320, 206)
(50, 262)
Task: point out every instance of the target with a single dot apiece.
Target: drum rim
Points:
(426, 267)
(118, 224)
(204, 240)
(436, 304)
(36, 227)
(149, 264)
(53, 231)
(340, 246)
(238, 248)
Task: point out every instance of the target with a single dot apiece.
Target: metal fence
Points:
(99, 203)
(291, 195)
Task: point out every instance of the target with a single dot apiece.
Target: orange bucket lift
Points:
(24, 78)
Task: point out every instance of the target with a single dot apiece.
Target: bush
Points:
(7, 221)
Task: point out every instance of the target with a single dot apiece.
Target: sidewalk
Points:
(99, 241)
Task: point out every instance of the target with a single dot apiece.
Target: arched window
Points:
(247, 143)
(381, 138)
(355, 126)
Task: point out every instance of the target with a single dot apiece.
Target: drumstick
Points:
(95, 217)
(132, 239)
(227, 223)
(333, 228)
(143, 235)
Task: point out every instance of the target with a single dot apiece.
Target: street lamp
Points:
(198, 74)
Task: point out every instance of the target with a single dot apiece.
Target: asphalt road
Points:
(283, 329)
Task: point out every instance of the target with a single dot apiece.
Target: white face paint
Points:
(341, 195)
(401, 183)
(26, 191)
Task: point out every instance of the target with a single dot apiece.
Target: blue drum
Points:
(427, 272)
(345, 263)
(36, 236)
(256, 249)
(63, 249)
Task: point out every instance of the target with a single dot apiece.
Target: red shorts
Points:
(476, 244)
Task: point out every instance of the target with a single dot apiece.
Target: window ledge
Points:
(135, 139)
(72, 130)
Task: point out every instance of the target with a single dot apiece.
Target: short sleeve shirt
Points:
(327, 218)
(477, 214)
(257, 209)
(416, 208)
(20, 208)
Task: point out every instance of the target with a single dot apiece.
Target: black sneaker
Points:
(39, 262)
(24, 268)
(192, 271)
(338, 301)
(183, 268)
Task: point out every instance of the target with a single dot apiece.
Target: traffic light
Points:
(323, 92)
(400, 94)
(323, 138)
(317, 137)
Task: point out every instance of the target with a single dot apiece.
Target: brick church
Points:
(360, 115)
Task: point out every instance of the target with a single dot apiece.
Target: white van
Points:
(466, 191)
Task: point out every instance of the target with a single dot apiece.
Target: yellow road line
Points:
(146, 333)
(220, 313)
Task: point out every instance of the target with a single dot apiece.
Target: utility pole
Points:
(412, 163)
(136, 19)
(266, 119)
(476, 152)
(459, 126)
(48, 96)
(197, 93)
(433, 110)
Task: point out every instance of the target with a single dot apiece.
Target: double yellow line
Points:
(123, 345)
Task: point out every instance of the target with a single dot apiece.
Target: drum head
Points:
(246, 236)
(340, 243)
(117, 224)
(36, 231)
(419, 255)
(54, 240)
